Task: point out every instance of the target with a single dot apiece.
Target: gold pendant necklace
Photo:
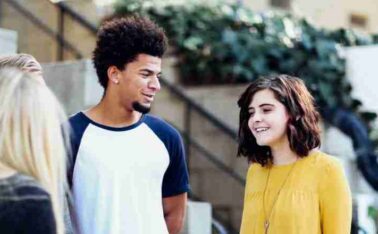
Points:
(267, 217)
(266, 226)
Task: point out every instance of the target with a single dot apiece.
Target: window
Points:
(358, 20)
(280, 3)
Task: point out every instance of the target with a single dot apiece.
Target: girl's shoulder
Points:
(255, 169)
(322, 162)
(25, 207)
(20, 187)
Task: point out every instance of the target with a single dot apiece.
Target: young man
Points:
(129, 173)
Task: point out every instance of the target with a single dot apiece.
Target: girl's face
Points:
(268, 119)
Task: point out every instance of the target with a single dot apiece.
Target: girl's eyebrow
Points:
(266, 104)
(262, 105)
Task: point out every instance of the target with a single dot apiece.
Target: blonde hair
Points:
(24, 62)
(32, 139)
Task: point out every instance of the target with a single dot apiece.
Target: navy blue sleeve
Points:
(176, 178)
(78, 123)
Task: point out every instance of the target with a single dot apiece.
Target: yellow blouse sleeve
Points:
(335, 200)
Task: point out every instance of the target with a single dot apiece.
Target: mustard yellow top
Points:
(316, 198)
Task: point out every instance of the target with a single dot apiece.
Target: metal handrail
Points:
(76, 16)
(45, 27)
(212, 118)
(218, 226)
(211, 157)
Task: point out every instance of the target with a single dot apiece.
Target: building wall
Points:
(330, 14)
(8, 42)
(325, 13)
(35, 41)
(31, 39)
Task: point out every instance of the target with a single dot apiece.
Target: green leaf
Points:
(192, 43)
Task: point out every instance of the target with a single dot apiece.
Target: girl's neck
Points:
(284, 156)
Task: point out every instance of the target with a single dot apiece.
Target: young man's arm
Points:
(174, 208)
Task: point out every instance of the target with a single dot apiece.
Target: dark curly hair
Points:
(302, 129)
(121, 39)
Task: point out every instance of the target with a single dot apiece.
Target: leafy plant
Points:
(373, 214)
(227, 43)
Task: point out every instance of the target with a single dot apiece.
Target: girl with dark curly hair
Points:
(292, 187)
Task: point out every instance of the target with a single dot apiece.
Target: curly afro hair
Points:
(121, 39)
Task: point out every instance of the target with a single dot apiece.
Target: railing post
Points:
(60, 39)
(1, 11)
(187, 130)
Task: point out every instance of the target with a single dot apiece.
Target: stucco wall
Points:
(8, 41)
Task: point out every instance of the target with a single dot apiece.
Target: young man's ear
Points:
(113, 74)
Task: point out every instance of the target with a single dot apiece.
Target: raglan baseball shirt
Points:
(120, 175)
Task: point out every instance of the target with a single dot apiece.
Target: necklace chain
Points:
(268, 216)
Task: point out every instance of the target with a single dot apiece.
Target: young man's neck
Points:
(113, 115)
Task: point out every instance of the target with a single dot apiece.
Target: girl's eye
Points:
(267, 110)
(250, 114)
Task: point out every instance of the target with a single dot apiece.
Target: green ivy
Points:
(225, 43)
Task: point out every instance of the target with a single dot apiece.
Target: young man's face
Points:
(139, 82)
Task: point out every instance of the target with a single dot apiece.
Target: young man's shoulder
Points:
(77, 118)
(159, 125)
(78, 122)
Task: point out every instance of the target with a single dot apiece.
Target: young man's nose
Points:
(154, 84)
